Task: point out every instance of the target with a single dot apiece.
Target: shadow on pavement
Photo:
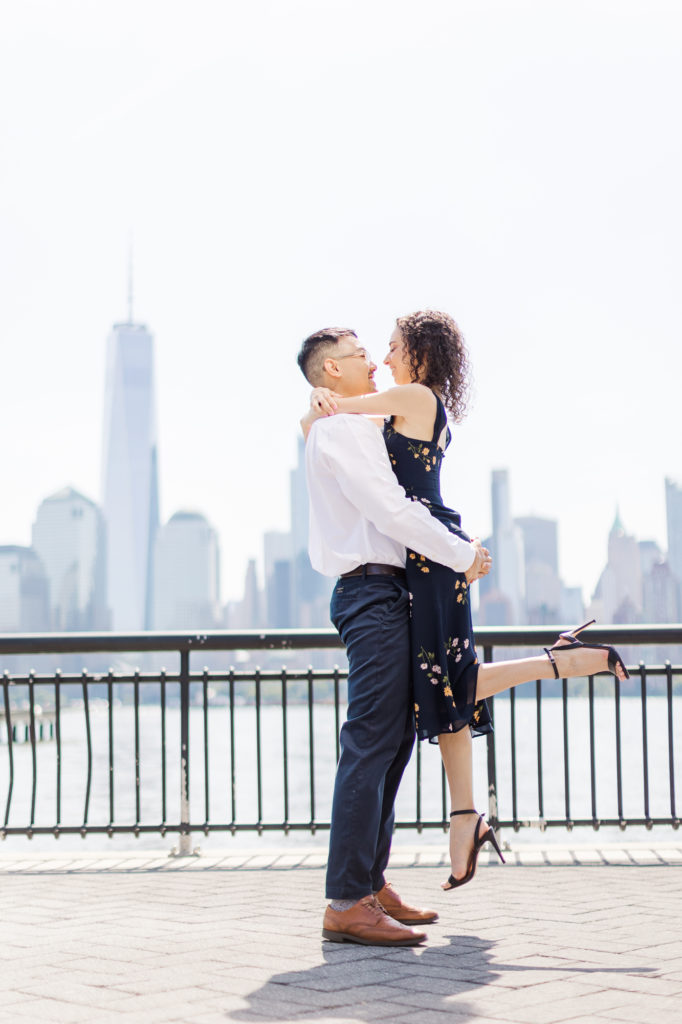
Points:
(354, 978)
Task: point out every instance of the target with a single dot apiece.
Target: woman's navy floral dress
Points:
(444, 662)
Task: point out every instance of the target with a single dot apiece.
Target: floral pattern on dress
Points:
(427, 663)
(420, 561)
(424, 452)
(455, 647)
(435, 674)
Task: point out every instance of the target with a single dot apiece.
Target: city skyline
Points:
(510, 164)
(130, 419)
(60, 583)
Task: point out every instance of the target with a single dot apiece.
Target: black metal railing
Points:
(260, 743)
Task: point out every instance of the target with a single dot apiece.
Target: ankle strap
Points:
(453, 813)
(548, 652)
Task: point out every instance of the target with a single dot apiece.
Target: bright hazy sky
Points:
(292, 164)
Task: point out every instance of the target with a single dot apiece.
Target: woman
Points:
(428, 361)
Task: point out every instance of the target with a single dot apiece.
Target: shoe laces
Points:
(372, 903)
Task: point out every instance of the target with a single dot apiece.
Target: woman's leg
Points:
(495, 677)
(456, 751)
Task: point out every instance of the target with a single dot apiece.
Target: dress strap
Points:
(440, 421)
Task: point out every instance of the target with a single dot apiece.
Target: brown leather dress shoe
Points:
(368, 923)
(401, 911)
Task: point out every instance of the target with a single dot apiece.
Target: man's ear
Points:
(331, 368)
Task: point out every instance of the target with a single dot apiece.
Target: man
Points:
(361, 522)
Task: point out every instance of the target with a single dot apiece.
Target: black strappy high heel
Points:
(614, 659)
(487, 837)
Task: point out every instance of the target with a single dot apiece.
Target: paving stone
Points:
(53, 1010)
(211, 1017)
(651, 1010)
(538, 1014)
(442, 1017)
(153, 941)
(12, 998)
(72, 992)
(592, 1019)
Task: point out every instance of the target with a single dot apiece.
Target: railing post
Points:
(493, 816)
(185, 840)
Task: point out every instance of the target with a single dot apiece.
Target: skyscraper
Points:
(68, 535)
(277, 557)
(310, 590)
(130, 475)
(186, 574)
(618, 595)
(673, 508)
(24, 591)
(502, 597)
(543, 587)
(252, 602)
(659, 587)
(298, 501)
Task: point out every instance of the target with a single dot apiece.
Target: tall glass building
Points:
(130, 490)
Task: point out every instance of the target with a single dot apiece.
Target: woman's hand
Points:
(322, 401)
(481, 564)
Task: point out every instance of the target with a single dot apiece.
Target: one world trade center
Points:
(130, 475)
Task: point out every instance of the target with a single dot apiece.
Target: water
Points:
(74, 773)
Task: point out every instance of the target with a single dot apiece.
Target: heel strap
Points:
(453, 813)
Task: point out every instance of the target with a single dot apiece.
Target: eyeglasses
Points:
(361, 353)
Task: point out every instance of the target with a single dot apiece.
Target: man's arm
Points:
(354, 451)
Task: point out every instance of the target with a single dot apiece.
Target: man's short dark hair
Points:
(318, 347)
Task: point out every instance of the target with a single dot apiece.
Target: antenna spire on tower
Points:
(130, 279)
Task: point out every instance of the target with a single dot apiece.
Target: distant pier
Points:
(20, 721)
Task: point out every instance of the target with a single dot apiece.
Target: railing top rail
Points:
(300, 639)
(209, 640)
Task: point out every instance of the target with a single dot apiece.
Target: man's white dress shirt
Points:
(359, 513)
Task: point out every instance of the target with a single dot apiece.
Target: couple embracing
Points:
(401, 605)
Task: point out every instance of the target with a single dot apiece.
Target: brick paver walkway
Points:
(137, 937)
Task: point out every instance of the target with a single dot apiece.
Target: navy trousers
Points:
(372, 617)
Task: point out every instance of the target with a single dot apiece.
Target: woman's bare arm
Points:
(308, 420)
(406, 400)
(412, 404)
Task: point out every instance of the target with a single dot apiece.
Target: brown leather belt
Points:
(375, 569)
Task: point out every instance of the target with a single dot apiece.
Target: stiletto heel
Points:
(487, 837)
(614, 660)
(492, 838)
(574, 632)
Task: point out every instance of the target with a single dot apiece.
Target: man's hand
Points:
(322, 401)
(481, 564)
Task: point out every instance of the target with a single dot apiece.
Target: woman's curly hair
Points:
(438, 356)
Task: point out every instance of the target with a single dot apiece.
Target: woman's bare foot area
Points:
(462, 828)
(582, 661)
